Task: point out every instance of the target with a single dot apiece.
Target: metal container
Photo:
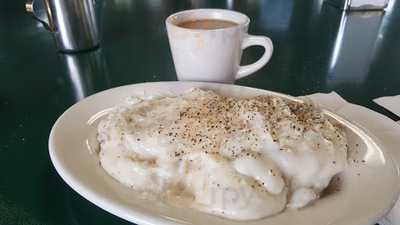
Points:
(355, 5)
(72, 22)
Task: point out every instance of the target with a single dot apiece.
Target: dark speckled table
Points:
(317, 49)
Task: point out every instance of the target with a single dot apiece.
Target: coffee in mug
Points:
(207, 24)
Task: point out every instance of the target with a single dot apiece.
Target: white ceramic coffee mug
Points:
(213, 55)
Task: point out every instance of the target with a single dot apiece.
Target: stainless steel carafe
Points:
(72, 22)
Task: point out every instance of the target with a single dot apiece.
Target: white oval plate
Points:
(367, 190)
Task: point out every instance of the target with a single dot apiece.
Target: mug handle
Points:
(251, 40)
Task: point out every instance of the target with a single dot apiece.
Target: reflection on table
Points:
(87, 72)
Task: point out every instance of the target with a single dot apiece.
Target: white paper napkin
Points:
(391, 103)
(384, 128)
